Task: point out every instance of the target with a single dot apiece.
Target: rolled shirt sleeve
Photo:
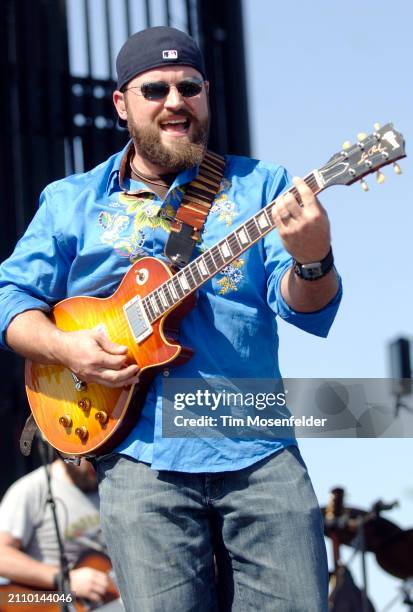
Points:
(34, 276)
(277, 262)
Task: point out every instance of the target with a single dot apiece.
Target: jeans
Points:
(251, 539)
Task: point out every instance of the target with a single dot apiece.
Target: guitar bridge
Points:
(137, 319)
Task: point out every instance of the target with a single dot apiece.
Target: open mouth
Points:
(176, 126)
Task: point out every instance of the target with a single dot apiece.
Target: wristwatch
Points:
(315, 269)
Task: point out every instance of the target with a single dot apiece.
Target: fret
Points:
(154, 304)
(216, 254)
(244, 238)
(162, 296)
(148, 308)
(165, 296)
(268, 212)
(253, 230)
(296, 195)
(225, 250)
(202, 268)
(158, 301)
(168, 294)
(172, 290)
(211, 265)
(312, 183)
(195, 273)
(184, 282)
(188, 271)
(263, 221)
(234, 238)
(178, 286)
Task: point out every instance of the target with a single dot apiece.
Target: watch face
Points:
(312, 270)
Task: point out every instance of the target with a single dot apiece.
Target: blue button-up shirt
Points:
(89, 229)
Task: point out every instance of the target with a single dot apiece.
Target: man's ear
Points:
(119, 102)
(207, 86)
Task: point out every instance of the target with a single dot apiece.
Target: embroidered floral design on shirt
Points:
(146, 212)
(137, 214)
(232, 275)
(113, 226)
(225, 207)
(132, 247)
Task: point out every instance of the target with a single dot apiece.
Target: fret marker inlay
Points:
(262, 221)
(202, 267)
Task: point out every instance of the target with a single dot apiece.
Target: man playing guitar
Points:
(169, 505)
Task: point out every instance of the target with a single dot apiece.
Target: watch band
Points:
(316, 269)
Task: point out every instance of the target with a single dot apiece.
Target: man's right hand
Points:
(94, 358)
(89, 583)
(87, 353)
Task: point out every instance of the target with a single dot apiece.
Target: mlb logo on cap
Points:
(171, 54)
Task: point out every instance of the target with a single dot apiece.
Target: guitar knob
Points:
(102, 417)
(65, 420)
(82, 432)
(84, 403)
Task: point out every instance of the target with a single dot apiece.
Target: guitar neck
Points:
(168, 295)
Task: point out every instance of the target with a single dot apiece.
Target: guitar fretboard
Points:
(208, 264)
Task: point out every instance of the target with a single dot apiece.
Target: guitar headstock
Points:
(384, 146)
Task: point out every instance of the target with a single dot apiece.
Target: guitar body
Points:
(91, 419)
(25, 599)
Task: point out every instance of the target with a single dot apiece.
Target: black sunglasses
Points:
(158, 90)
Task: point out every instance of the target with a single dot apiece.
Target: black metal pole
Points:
(64, 578)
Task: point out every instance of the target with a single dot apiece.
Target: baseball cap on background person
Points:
(155, 47)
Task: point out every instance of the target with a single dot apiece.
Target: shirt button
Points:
(166, 372)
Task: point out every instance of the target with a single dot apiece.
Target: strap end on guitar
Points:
(27, 435)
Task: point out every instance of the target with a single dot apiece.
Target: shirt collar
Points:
(117, 174)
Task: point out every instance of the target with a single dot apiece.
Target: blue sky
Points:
(320, 72)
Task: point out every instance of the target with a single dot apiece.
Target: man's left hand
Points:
(304, 228)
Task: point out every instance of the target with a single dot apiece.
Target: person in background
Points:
(29, 552)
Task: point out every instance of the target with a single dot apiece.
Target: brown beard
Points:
(182, 154)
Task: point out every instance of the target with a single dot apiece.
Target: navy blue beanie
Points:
(155, 47)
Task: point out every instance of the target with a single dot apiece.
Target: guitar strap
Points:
(193, 211)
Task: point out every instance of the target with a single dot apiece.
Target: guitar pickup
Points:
(137, 319)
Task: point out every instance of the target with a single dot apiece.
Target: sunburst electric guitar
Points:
(80, 418)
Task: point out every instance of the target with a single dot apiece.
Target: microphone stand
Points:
(63, 581)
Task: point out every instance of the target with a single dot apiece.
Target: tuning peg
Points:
(380, 178)
(361, 136)
(377, 126)
(364, 185)
(397, 168)
(346, 145)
